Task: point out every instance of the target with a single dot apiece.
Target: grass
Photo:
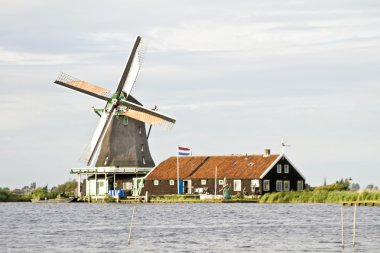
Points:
(321, 196)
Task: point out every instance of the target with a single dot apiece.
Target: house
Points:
(251, 174)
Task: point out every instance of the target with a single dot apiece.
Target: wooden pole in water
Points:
(130, 226)
(342, 221)
(354, 233)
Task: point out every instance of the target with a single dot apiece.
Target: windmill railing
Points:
(102, 170)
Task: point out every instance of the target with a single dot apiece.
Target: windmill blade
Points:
(146, 115)
(99, 134)
(82, 86)
(132, 68)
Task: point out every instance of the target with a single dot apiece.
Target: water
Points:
(248, 227)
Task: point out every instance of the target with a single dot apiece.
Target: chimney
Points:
(266, 152)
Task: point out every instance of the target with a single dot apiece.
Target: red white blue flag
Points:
(184, 151)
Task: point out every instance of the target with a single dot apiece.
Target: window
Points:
(286, 168)
(237, 185)
(299, 185)
(220, 181)
(278, 185)
(127, 186)
(278, 168)
(155, 182)
(142, 147)
(203, 182)
(266, 185)
(255, 183)
(140, 130)
(286, 185)
(143, 160)
(171, 182)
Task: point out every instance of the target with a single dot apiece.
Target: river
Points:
(197, 227)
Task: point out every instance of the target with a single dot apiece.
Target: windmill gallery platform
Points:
(119, 162)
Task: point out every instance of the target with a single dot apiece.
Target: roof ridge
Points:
(233, 155)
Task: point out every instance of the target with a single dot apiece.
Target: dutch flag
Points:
(184, 151)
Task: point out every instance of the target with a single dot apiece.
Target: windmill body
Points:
(118, 156)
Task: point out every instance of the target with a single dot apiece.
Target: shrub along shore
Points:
(320, 196)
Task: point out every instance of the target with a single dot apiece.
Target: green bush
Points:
(319, 196)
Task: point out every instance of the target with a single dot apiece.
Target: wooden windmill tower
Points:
(119, 148)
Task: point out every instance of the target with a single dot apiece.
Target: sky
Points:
(237, 75)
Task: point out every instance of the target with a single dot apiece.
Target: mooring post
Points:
(130, 226)
(354, 232)
(342, 221)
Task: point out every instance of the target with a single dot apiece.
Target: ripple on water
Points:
(28, 227)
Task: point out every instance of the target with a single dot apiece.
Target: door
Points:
(180, 188)
(189, 186)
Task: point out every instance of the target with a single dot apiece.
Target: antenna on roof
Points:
(283, 145)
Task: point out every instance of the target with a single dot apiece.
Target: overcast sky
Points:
(237, 75)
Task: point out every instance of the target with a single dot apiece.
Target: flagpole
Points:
(216, 176)
(177, 171)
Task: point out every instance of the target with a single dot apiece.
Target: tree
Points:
(370, 187)
(40, 192)
(355, 187)
(33, 185)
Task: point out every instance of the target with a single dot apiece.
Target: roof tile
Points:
(191, 167)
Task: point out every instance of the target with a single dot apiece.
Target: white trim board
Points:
(276, 161)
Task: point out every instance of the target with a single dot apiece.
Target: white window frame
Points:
(203, 182)
(237, 185)
(140, 130)
(171, 182)
(156, 182)
(220, 181)
(298, 185)
(286, 168)
(142, 147)
(255, 182)
(284, 184)
(126, 184)
(265, 184)
(279, 168)
(279, 183)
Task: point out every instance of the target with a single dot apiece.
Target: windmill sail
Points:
(147, 115)
(99, 134)
(132, 68)
(82, 86)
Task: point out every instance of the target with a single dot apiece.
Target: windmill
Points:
(119, 142)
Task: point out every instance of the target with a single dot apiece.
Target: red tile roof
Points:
(203, 167)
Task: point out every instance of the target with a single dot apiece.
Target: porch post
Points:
(114, 179)
(106, 182)
(87, 187)
(96, 186)
(79, 191)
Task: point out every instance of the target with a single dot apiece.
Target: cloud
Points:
(9, 57)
